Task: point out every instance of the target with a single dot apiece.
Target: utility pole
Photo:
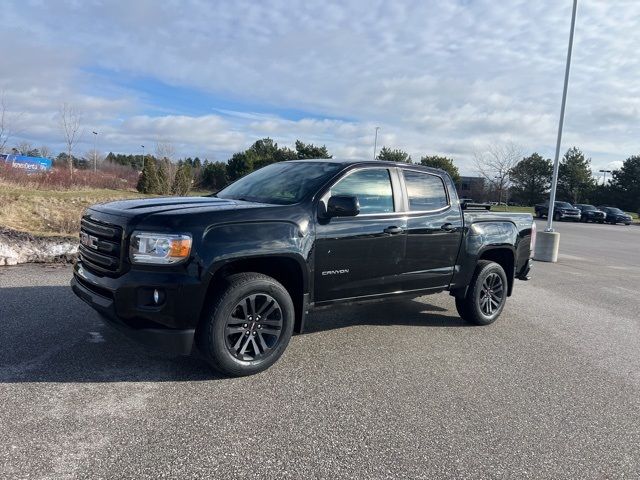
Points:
(375, 143)
(604, 180)
(95, 152)
(142, 156)
(548, 242)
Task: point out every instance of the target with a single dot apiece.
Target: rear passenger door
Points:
(434, 231)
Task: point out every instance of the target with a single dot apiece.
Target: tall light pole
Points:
(375, 143)
(556, 161)
(95, 152)
(604, 180)
(142, 156)
(548, 242)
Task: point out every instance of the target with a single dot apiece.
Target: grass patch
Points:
(55, 212)
(51, 212)
(502, 208)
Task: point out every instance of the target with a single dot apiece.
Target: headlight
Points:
(159, 248)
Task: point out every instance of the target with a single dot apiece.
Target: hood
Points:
(148, 206)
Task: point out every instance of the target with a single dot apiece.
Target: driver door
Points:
(361, 255)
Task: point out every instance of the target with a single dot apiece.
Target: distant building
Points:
(472, 187)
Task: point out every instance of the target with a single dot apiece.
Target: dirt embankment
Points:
(19, 247)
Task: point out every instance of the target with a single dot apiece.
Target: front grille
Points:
(102, 249)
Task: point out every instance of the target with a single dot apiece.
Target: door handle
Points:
(448, 227)
(393, 230)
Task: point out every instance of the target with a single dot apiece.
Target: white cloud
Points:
(438, 77)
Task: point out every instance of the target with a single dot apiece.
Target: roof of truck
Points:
(349, 162)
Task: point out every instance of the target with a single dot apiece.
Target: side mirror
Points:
(343, 206)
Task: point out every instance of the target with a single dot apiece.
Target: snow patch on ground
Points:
(19, 247)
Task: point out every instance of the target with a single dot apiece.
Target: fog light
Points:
(156, 297)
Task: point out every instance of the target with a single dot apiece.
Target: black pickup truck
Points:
(561, 211)
(236, 273)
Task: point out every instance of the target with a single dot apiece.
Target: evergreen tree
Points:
(148, 180)
(531, 179)
(182, 180)
(214, 176)
(626, 184)
(443, 163)
(239, 165)
(574, 178)
(396, 155)
(309, 150)
(164, 177)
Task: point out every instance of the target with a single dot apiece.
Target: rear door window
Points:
(425, 191)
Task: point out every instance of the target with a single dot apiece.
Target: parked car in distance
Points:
(561, 211)
(615, 215)
(591, 213)
(235, 274)
(465, 201)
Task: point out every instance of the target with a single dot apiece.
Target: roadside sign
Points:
(29, 164)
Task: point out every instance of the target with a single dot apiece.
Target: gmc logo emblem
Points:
(88, 240)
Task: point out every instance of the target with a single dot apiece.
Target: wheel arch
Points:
(505, 257)
(288, 270)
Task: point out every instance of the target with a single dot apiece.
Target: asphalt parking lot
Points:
(387, 390)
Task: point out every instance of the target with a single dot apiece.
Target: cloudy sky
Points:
(439, 77)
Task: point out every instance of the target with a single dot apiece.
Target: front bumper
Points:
(570, 215)
(121, 301)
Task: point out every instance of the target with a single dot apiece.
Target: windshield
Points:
(588, 207)
(614, 210)
(563, 205)
(282, 183)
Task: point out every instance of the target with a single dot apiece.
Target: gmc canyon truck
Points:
(233, 275)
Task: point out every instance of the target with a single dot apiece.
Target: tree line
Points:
(161, 176)
(524, 180)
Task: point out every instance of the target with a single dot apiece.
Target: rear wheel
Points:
(248, 325)
(486, 296)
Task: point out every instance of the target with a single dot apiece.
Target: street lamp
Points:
(142, 156)
(375, 143)
(548, 242)
(604, 180)
(95, 152)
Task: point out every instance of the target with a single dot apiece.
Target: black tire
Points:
(233, 337)
(538, 214)
(471, 307)
(556, 217)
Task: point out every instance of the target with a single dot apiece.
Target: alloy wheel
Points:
(491, 294)
(253, 329)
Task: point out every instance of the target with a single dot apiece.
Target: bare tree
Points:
(70, 124)
(24, 148)
(165, 150)
(5, 130)
(95, 157)
(45, 152)
(496, 162)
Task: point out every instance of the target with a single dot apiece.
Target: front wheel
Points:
(486, 296)
(247, 326)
